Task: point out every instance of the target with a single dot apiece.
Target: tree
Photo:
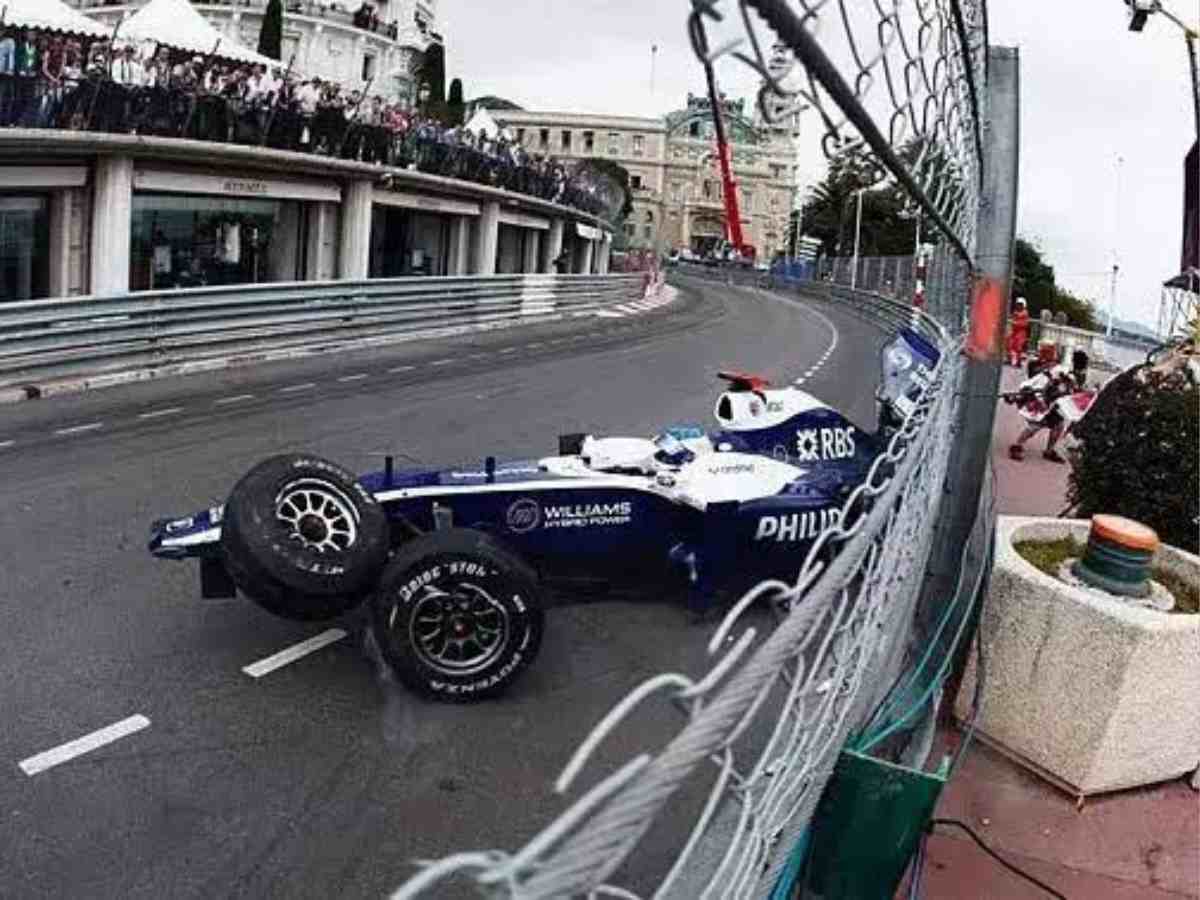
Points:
(432, 76)
(455, 108)
(491, 101)
(831, 212)
(270, 36)
(611, 181)
(1033, 279)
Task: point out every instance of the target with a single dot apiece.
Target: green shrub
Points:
(1139, 456)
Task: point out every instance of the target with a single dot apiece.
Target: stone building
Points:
(328, 38)
(673, 169)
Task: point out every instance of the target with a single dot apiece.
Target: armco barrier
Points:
(46, 339)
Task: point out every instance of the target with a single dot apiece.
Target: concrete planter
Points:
(1093, 694)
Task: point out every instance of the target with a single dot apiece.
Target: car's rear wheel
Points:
(457, 616)
(302, 538)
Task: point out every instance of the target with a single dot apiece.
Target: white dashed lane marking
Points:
(298, 387)
(238, 399)
(359, 377)
(441, 362)
(159, 413)
(79, 429)
(399, 369)
(86, 744)
(293, 653)
(4, 444)
(509, 350)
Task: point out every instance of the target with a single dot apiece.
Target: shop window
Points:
(566, 141)
(589, 141)
(24, 248)
(190, 241)
(407, 242)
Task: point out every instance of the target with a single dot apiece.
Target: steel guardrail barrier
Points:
(63, 337)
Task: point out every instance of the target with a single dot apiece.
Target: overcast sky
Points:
(1090, 91)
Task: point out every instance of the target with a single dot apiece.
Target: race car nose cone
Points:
(312, 528)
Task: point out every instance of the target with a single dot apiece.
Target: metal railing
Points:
(46, 339)
(765, 724)
(1104, 352)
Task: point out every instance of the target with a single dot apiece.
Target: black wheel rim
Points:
(458, 628)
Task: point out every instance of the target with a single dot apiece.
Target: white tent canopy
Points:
(51, 15)
(175, 23)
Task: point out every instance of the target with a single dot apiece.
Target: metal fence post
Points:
(989, 307)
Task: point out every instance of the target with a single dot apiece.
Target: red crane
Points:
(733, 218)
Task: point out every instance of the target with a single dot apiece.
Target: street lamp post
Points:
(857, 237)
(1139, 11)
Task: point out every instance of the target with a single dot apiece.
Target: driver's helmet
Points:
(671, 451)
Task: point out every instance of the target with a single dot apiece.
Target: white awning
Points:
(175, 23)
(588, 232)
(51, 15)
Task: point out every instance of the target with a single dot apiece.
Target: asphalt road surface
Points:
(323, 777)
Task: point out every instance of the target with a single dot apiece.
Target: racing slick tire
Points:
(302, 538)
(457, 616)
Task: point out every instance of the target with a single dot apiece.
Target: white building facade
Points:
(329, 40)
(673, 170)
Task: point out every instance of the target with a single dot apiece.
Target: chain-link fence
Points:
(762, 729)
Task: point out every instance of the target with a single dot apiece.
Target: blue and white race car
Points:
(453, 561)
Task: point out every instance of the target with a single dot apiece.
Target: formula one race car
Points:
(452, 560)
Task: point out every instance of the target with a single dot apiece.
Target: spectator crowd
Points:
(50, 80)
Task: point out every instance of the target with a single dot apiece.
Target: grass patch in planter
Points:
(1048, 557)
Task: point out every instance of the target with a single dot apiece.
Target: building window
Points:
(368, 66)
(774, 202)
(24, 247)
(748, 200)
(694, 129)
(639, 144)
(521, 136)
(648, 231)
(544, 139)
(635, 182)
(649, 216)
(674, 191)
(182, 241)
(614, 143)
(630, 229)
(677, 152)
(708, 189)
(589, 141)
(566, 140)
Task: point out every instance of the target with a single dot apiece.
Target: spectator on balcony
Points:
(52, 72)
(127, 69)
(8, 62)
(27, 67)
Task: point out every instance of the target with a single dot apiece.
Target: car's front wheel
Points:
(457, 616)
(302, 538)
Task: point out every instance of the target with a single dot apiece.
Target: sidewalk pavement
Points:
(1142, 843)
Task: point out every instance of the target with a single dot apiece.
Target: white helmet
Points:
(1020, 301)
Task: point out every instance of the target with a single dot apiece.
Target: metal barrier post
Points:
(981, 375)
